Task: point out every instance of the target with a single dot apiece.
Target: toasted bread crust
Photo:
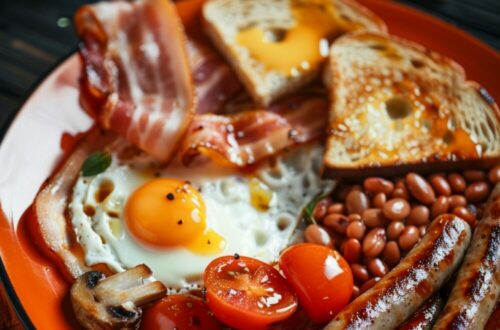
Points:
(454, 92)
(266, 86)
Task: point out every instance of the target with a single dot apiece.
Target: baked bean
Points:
(463, 213)
(317, 235)
(368, 284)
(440, 206)
(356, 187)
(400, 192)
(336, 208)
(360, 273)
(377, 267)
(356, 202)
(420, 189)
(422, 230)
(373, 218)
(337, 222)
(457, 200)
(419, 216)
(457, 182)
(440, 185)
(395, 229)
(408, 238)
(353, 217)
(351, 250)
(374, 242)
(494, 174)
(355, 229)
(378, 185)
(321, 208)
(400, 183)
(355, 292)
(396, 209)
(379, 200)
(474, 175)
(391, 254)
(477, 192)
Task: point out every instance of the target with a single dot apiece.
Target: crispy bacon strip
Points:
(215, 82)
(50, 203)
(137, 70)
(245, 138)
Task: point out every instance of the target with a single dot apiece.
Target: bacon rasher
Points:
(136, 69)
(245, 138)
(214, 80)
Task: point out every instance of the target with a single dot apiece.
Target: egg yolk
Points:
(166, 213)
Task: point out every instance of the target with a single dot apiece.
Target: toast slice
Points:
(278, 46)
(397, 106)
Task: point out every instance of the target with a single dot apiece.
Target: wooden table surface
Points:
(35, 35)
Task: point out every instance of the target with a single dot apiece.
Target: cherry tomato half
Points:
(320, 276)
(246, 293)
(180, 312)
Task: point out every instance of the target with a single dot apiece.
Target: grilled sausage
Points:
(418, 276)
(426, 315)
(494, 321)
(477, 288)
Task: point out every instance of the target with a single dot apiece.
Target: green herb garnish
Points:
(309, 209)
(96, 163)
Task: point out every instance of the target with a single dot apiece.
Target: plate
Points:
(51, 118)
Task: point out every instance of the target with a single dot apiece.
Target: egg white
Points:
(293, 179)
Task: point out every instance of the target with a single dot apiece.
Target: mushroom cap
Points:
(114, 302)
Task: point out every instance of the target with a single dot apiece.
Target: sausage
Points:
(418, 276)
(494, 321)
(426, 315)
(477, 288)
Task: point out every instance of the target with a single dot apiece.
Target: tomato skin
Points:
(320, 276)
(246, 293)
(180, 312)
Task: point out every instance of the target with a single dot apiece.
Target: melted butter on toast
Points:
(397, 116)
(302, 47)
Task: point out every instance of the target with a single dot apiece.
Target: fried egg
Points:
(177, 219)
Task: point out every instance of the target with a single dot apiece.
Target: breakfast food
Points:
(51, 203)
(477, 286)
(193, 203)
(376, 223)
(278, 46)
(417, 277)
(177, 219)
(397, 106)
(114, 302)
(142, 92)
(425, 316)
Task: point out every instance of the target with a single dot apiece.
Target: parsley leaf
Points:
(96, 163)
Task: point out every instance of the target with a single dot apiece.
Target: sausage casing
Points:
(477, 288)
(426, 315)
(418, 276)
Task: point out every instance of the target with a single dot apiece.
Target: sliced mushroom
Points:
(114, 302)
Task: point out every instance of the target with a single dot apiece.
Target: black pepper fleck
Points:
(179, 222)
(170, 196)
(236, 256)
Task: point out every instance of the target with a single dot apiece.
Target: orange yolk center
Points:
(166, 213)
